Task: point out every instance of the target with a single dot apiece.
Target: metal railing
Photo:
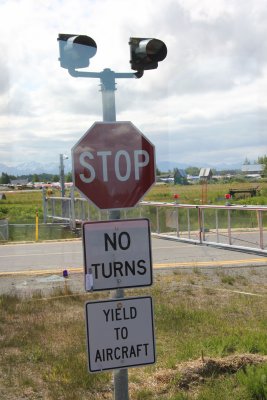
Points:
(242, 228)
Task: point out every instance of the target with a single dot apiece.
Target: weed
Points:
(242, 280)
(145, 394)
(180, 396)
(191, 281)
(254, 378)
(8, 302)
(223, 388)
(209, 291)
(37, 294)
(197, 271)
(228, 279)
(177, 273)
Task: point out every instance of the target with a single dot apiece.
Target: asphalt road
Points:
(52, 257)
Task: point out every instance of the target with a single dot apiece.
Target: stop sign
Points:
(113, 165)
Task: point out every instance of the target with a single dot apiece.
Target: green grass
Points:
(20, 209)
(43, 344)
(192, 194)
(221, 329)
(22, 206)
(255, 381)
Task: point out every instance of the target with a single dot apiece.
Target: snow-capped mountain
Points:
(33, 167)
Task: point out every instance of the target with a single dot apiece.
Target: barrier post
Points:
(36, 226)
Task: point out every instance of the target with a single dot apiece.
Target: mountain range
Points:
(34, 167)
(166, 166)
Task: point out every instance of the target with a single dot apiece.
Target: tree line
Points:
(6, 179)
(194, 171)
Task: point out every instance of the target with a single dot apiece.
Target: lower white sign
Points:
(120, 333)
(117, 254)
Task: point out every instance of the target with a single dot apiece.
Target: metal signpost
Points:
(120, 333)
(117, 254)
(119, 161)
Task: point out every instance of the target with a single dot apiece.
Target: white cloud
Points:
(209, 89)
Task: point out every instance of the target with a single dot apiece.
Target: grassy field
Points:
(211, 343)
(192, 194)
(21, 207)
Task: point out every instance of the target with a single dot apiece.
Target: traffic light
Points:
(146, 53)
(75, 50)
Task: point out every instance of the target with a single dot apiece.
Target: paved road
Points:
(51, 257)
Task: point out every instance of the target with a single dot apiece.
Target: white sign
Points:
(117, 254)
(120, 333)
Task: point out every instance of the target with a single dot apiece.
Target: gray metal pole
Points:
(44, 205)
(108, 88)
(62, 175)
(62, 184)
(72, 208)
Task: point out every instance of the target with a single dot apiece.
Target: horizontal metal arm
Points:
(124, 75)
(84, 74)
(87, 74)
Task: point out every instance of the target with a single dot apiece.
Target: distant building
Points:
(192, 178)
(19, 182)
(253, 170)
(180, 176)
(205, 173)
(165, 178)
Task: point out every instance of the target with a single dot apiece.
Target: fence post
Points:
(177, 223)
(217, 225)
(188, 224)
(259, 217)
(72, 209)
(53, 208)
(36, 226)
(199, 211)
(44, 205)
(229, 226)
(203, 224)
(157, 214)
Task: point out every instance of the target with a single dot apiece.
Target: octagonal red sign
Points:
(113, 165)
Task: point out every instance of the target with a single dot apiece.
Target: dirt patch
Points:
(191, 373)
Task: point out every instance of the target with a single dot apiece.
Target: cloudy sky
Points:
(206, 104)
